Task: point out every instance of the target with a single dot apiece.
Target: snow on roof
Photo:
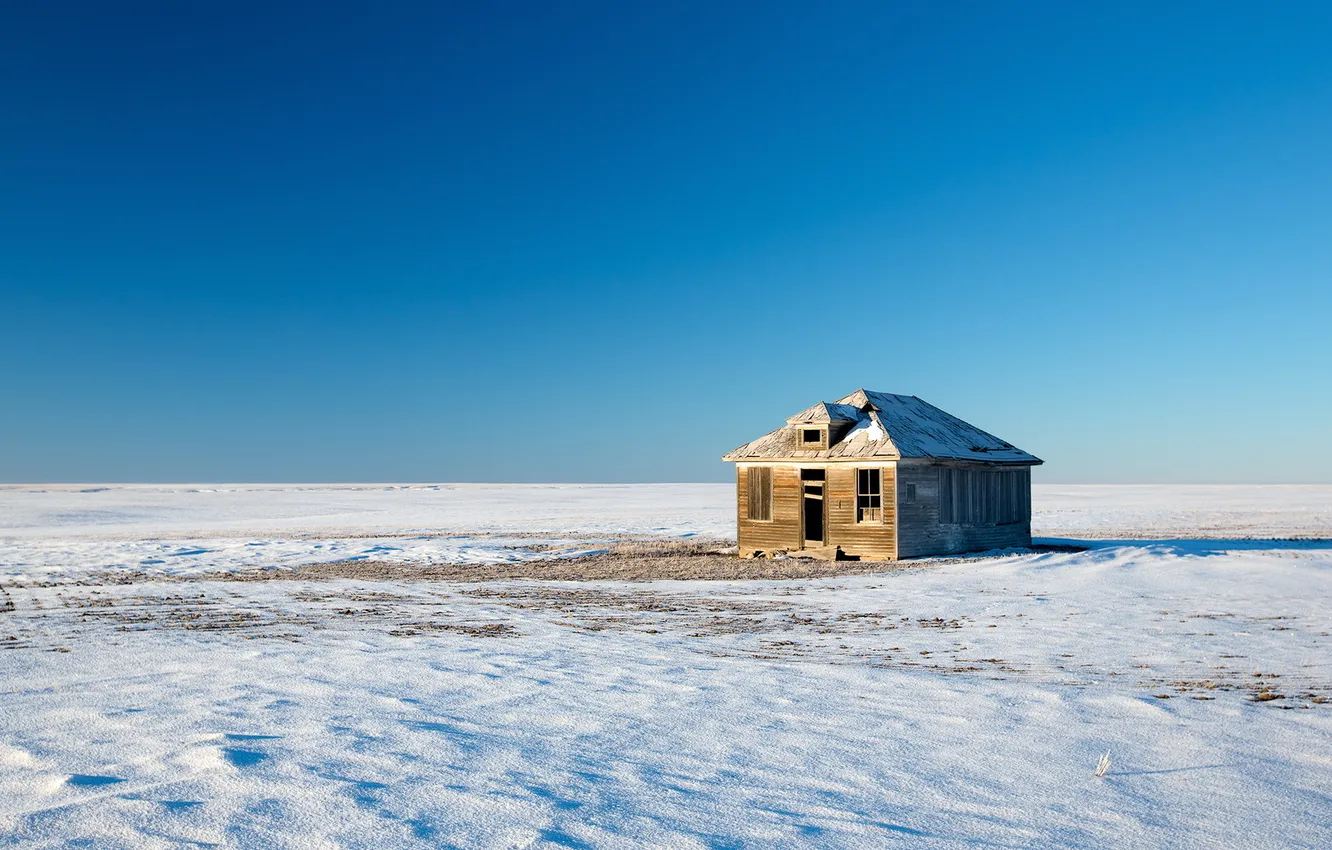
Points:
(825, 412)
(886, 426)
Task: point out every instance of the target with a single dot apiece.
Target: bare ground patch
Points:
(631, 560)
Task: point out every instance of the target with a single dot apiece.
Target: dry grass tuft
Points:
(1103, 766)
(633, 560)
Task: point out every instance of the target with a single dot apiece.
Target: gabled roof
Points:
(884, 427)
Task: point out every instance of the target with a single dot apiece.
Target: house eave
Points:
(1031, 461)
(822, 457)
(810, 458)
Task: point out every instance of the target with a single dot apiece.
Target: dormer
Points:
(813, 437)
(818, 427)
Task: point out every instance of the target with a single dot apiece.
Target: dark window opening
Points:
(869, 495)
(811, 435)
(812, 475)
(760, 493)
(911, 492)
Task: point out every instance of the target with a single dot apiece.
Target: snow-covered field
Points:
(64, 531)
(148, 702)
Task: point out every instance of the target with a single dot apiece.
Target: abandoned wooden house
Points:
(880, 476)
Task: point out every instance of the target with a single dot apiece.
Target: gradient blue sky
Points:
(608, 242)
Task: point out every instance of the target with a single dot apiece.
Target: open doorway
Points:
(812, 506)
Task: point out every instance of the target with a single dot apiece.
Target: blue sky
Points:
(609, 242)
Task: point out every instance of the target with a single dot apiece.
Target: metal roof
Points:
(885, 427)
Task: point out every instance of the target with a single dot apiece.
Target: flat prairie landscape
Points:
(585, 666)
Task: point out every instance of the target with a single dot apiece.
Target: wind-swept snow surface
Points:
(959, 705)
(64, 530)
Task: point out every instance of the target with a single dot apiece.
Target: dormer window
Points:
(813, 439)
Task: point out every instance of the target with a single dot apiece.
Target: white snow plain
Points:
(960, 704)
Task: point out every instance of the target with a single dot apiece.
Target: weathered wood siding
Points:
(783, 532)
(919, 532)
(871, 541)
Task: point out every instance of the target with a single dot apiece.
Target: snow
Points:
(52, 532)
(912, 427)
(1189, 511)
(920, 430)
(37, 511)
(868, 428)
(961, 705)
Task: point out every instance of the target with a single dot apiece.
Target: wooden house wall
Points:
(919, 532)
(871, 541)
(783, 531)
(786, 532)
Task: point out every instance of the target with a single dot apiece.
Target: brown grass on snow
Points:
(636, 560)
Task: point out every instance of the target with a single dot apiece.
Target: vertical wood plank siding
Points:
(934, 526)
(984, 496)
(760, 493)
